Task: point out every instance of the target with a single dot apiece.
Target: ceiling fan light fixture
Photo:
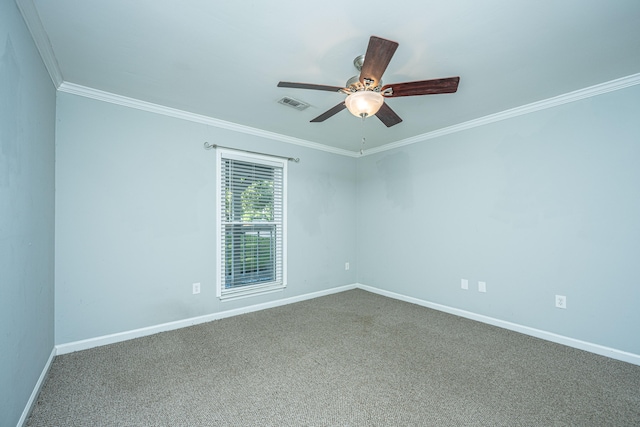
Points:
(364, 103)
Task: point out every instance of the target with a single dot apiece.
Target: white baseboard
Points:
(548, 336)
(36, 390)
(137, 333)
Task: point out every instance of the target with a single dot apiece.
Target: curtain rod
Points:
(208, 146)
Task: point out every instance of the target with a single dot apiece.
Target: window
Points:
(251, 223)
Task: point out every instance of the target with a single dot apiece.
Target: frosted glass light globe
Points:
(364, 103)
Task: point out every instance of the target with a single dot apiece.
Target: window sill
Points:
(249, 291)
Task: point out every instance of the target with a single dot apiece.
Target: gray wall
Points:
(536, 205)
(135, 218)
(27, 121)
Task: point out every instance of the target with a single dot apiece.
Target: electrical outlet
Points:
(346, 265)
(464, 283)
(196, 288)
(482, 286)
(561, 301)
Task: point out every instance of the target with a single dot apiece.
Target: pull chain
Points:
(363, 139)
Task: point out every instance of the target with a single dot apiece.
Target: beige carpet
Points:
(349, 359)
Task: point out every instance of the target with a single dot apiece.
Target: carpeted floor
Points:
(348, 359)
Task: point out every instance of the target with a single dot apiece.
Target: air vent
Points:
(293, 103)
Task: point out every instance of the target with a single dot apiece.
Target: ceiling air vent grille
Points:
(293, 103)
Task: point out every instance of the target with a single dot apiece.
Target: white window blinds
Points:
(251, 224)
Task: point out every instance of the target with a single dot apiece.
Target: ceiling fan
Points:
(366, 92)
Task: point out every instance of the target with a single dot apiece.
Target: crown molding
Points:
(99, 95)
(577, 95)
(41, 39)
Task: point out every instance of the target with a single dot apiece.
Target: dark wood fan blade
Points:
(333, 111)
(388, 116)
(423, 87)
(378, 55)
(310, 86)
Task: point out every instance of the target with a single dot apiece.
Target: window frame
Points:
(280, 283)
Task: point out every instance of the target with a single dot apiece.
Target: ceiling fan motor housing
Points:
(354, 85)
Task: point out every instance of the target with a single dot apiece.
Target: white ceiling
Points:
(223, 59)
